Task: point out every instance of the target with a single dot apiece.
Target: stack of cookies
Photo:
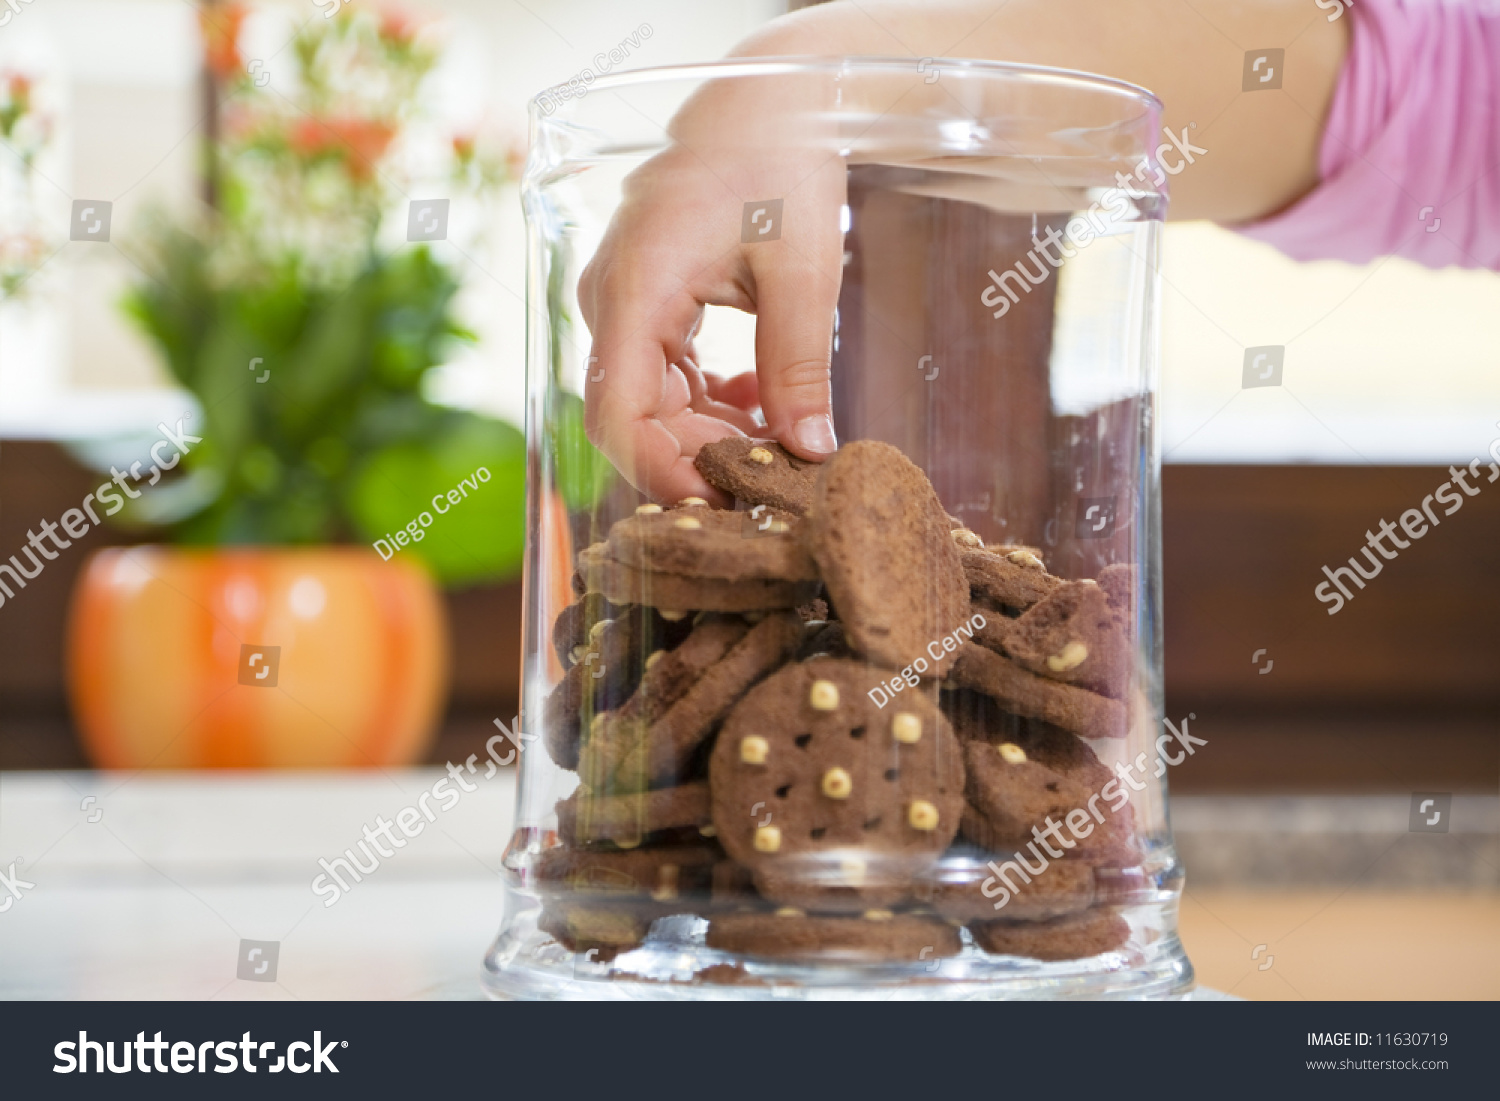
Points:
(835, 724)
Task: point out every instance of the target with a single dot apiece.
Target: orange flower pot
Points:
(255, 658)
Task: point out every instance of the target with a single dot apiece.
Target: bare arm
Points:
(670, 250)
(1189, 52)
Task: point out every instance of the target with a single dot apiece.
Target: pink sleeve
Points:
(1410, 159)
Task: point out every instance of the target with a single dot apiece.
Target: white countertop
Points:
(153, 898)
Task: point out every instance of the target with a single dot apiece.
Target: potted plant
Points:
(319, 493)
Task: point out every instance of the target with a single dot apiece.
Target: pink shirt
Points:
(1410, 159)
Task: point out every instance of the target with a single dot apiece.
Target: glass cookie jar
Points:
(886, 723)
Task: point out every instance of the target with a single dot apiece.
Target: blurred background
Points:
(262, 282)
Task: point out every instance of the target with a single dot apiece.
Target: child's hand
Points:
(675, 246)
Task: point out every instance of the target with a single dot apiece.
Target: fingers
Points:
(649, 408)
(793, 340)
(708, 393)
(741, 391)
(796, 281)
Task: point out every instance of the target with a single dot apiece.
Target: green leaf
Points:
(405, 486)
(583, 475)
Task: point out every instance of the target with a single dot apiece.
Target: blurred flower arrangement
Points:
(305, 325)
(26, 131)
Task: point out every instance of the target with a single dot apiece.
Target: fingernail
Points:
(815, 434)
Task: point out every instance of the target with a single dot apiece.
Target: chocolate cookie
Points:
(1016, 801)
(758, 472)
(698, 541)
(834, 803)
(877, 935)
(976, 717)
(667, 678)
(675, 593)
(1074, 937)
(659, 875)
(827, 641)
(970, 540)
(814, 611)
(1072, 635)
(1012, 578)
(966, 889)
(1118, 583)
(608, 669)
(570, 631)
(627, 820)
(1077, 709)
(881, 539)
(600, 932)
(733, 885)
(634, 754)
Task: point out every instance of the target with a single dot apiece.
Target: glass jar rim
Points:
(774, 65)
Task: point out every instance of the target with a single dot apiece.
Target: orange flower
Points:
(360, 142)
(220, 24)
(397, 27)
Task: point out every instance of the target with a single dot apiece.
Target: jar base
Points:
(674, 964)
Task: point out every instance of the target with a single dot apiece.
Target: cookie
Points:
(653, 880)
(1118, 583)
(600, 932)
(733, 885)
(674, 593)
(727, 974)
(666, 679)
(607, 671)
(570, 631)
(1071, 635)
(976, 717)
(1124, 886)
(1017, 801)
(1076, 709)
(758, 472)
(697, 541)
(1075, 937)
(876, 936)
(1012, 578)
(881, 540)
(814, 611)
(966, 889)
(632, 752)
(833, 802)
(827, 641)
(605, 901)
(627, 820)
(991, 623)
(971, 540)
